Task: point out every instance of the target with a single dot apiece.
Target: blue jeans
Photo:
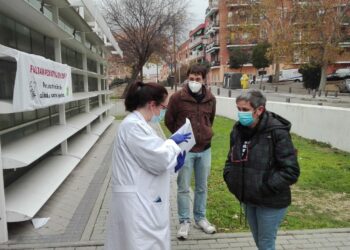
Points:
(264, 223)
(200, 163)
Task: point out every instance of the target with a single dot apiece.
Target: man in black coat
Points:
(261, 166)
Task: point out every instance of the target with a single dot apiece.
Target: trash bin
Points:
(232, 80)
(245, 81)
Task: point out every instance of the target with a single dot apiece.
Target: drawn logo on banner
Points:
(33, 89)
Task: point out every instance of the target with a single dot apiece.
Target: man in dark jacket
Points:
(261, 166)
(196, 103)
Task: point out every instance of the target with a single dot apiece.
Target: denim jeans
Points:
(264, 223)
(199, 163)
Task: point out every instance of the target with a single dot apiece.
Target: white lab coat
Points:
(139, 210)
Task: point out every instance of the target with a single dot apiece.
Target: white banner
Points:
(39, 82)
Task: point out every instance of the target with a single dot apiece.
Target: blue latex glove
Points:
(179, 138)
(180, 161)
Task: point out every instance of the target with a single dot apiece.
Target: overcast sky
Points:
(197, 16)
(197, 12)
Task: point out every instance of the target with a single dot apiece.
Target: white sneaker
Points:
(183, 230)
(206, 226)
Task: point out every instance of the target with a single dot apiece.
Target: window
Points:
(93, 102)
(92, 84)
(103, 99)
(23, 38)
(91, 65)
(38, 45)
(7, 79)
(64, 54)
(7, 31)
(6, 121)
(49, 48)
(79, 60)
(78, 83)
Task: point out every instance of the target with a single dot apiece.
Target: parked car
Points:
(290, 75)
(339, 74)
(265, 78)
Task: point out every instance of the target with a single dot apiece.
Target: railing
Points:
(214, 63)
(212, 27)
(197, 54)
(238, 2)
(196, 41)
(213, 6)
(213, 43)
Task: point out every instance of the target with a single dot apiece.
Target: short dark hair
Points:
(197, 69)
(254, 97)
(139, 94)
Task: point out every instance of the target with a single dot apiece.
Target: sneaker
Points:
(206, 226)
(182, 234)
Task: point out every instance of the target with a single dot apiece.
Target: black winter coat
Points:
(264, 177)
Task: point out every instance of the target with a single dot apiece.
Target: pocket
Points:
(254, 185)
(233, 180)
(156, 213)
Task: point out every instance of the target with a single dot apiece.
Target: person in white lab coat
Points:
(142, 162)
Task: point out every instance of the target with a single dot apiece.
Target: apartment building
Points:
(183, 53)
(234, 25)
(54, 99)
(197, 44)
(225, 32)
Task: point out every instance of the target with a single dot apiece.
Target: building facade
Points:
(40, 146)
(236, 25)
(197, 44)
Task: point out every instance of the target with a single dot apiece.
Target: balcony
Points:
(345, 43)
(196, 41)
(241, 42)
(212, 9)
(213, 27)
(213, 46)
(214, 64)
(240, 21)
(196, 55)
(238, 3)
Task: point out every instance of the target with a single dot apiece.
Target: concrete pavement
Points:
(79, 208)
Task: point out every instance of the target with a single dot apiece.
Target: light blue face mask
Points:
(245, 118)
(158, 118)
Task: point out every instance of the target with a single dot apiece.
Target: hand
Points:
(179, 138)
(180, 161)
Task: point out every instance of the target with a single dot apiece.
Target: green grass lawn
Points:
(321, 198)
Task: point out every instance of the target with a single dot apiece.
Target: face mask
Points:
(194, 86)
(158, 118)
(245, 118)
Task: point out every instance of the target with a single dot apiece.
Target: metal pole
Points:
(179, 73)
(3, 220)
(174, 51)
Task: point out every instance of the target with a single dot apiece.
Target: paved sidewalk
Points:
(79, 208)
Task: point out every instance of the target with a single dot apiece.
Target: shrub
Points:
(311, 75)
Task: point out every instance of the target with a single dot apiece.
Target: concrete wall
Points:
(324, 124)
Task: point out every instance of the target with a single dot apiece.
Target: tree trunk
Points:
(134, 73)
(323, 76)
(276, 77)
(141, 74)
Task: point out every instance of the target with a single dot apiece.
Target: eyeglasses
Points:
(245, 157)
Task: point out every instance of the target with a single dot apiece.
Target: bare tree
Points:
(143, 28)
(277, 26)
(323, 29)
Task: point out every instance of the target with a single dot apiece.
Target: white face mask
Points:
(194, 86)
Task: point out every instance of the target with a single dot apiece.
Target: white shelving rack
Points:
(74, 136)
